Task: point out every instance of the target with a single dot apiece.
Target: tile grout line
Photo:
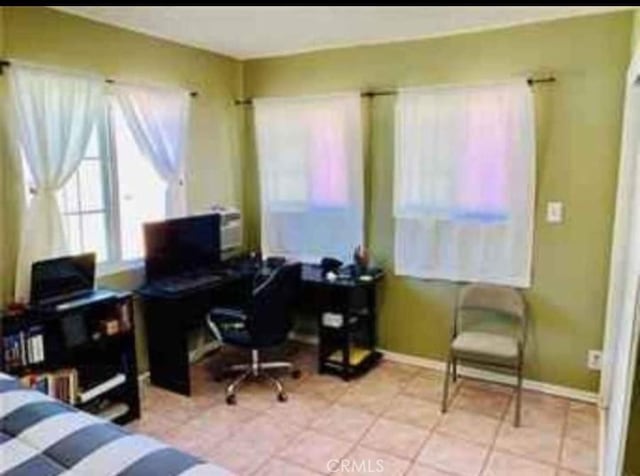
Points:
(431, 432)
(556, 465)
(492, 446)
(563, 435)
(377, 417)
(308, 427)
(380, 415)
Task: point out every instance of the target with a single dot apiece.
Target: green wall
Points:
(4, 255)
(635, 31)
(578, 133)
(578, 120)
(45, 36)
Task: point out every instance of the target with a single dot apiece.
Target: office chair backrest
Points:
(476, 302)
(270, 317)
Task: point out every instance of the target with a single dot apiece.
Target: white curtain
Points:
(465, 182)
(311, 178)
(158, 119)
(55, 114)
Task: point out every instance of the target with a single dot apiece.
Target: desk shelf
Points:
(347, 350)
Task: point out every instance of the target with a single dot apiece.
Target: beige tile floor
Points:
(390, 416)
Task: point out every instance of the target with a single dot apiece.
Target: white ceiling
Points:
(252, 32)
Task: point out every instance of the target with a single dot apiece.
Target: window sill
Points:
(112, 268)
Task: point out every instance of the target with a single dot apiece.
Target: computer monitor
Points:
(64, 277)
(176, 246)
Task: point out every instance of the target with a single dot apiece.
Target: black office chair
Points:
(262, 322)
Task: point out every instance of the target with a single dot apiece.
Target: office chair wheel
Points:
(296, 374)
(231, 400)
(282, 397)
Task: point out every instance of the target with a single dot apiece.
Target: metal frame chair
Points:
(473, 347)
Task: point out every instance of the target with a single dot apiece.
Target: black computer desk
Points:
(169, 317)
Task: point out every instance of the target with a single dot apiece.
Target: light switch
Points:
(555, 212)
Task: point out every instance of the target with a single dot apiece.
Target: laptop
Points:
(65, 282)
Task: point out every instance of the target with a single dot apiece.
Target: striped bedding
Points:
(42, 436)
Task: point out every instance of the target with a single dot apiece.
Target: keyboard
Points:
(96, 296)
(180, 284)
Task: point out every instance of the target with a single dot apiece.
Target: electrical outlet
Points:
(555, 212)
(594, 359)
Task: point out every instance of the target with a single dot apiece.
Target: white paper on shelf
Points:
(104, 387)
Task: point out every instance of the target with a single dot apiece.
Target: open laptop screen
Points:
(62, 277)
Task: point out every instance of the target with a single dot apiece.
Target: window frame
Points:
(103, 158)
(108, 158)
(112, 166)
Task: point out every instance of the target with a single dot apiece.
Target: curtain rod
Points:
(393, 92)
(6, 64)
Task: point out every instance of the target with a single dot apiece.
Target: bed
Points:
(40, 436)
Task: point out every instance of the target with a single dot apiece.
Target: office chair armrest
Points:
(220, 318)
(227, 315)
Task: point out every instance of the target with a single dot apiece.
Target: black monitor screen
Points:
(173, 247)
(61, 277)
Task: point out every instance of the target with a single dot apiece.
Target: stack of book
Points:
(24, 348)
(61, 384)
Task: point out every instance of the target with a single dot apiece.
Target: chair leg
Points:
(238, 367)
(445, 393)
(233, 386)
(255, 362)
(518, 409)
(455, 370)
(257, 369)
(282, 395)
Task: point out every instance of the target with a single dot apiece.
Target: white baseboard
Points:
(543, 387)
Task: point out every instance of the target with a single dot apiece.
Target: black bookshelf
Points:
(84, 355)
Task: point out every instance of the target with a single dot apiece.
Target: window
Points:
(141, 192)
(464, 183)
(310, 160)
(112, 193)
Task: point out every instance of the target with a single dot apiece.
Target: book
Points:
(35, 341)
(23, 348)
(39, 345)
(63, 385)
(13, 358)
